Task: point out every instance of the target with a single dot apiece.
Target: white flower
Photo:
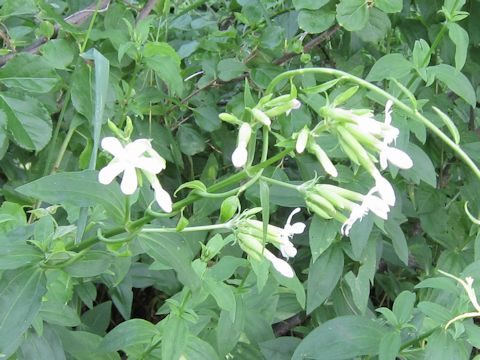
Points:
(127, 159)
(161, 196)
(295, 104)
(240, 154)
(289, 230)
(302, 140)
(395, 156)
(384, 188)
(390, 133)
(280, 265)
(370, 203)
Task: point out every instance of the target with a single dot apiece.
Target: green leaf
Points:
(323, 277)
(441, 345)
(191, 142)
(389, 346)
(399, 241)
(316, 21)
(48, 346)
(449, 123)
(223, 295)
(194, 184)
(459, 37)
(321, 234)
(128, 333)
(229, 69)
(28, 122)
(29, 73)
(165, 62)
(280, 348)
(390, 65)
(309, 4)
(455, 81)
(207, 118)
(12, 215)
(360, 288)
(79, 189)
(352, 14)
(174, 340)
(403, 306)
(198, 349)
(421, 54)
(98, 318)
(389, 6)
(423, 169)
(58, 313)
(344, 337)
(93, 263)
(20, 299)
(360, 234)
(13, 256)
(82, 345)
(170, 249)
(377, 26)
(81, 90)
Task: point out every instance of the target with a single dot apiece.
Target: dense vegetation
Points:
(245, 179)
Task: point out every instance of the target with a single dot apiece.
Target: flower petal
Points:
(149, 164)
(129, 181)
(297, 228)
(239, 156)
(113, 146)
(384, 188)
(280, 265)
(388, 112)
(288, 250)
(109, 172)
(398, 157)
(138, 147)
(163, 199)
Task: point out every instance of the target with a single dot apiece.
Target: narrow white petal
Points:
(163, 199)
(384, 188)
(297, 228)
(109, 172)
(138, 147)
(129, 181)
(148, 164)
(288, 251)
(113, 146)
(280, 265)
(383, 160)
(239, 157)
(377, 205)
(388, 112)
(398, 158)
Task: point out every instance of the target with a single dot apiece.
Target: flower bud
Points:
(261, 117)
(302, 140)
(229, 118)
(323, 159)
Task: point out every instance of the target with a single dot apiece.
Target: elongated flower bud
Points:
(240, 154)
(302, 140)
(229, 118)
(261, 117)
(323, 159)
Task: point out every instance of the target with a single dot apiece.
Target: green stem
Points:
(227, 225)
(90, 27)
(419, 338)
(187, 201)
(63, 148)
(412, 113)
(279, 183)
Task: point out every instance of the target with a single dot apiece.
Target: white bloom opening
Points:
(127, 159)
(239, 156)
(371, 203)
(295, 104)
(289, 230)
(395, 156)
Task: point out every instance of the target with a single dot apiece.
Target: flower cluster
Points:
(250, 237)
(261, 115)
(138, 154)
(363, 139)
